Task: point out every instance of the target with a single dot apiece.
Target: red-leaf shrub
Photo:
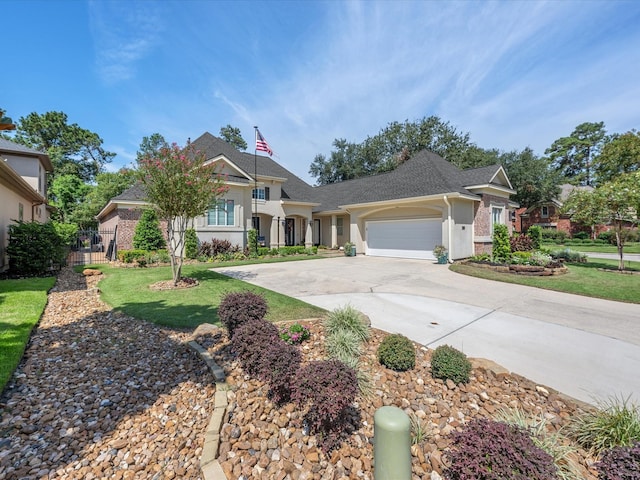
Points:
(250, 340)
(279, 365)
(489, 450)
(237, 308)
(215, 247)
(620, 463)
(521, 243)
(328, 387)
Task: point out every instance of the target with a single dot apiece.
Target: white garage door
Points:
(403, 238)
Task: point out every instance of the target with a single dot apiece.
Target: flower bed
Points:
(530, 270)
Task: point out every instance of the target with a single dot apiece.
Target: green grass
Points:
(21, 305)
(582, 279)
(127, 290)
(628, 248)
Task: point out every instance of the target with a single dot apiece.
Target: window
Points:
(221, 213)
(20, 212)
(496, 216)
(260, 193)
(339, 225)
(545, 211)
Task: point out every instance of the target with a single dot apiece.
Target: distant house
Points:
(406, 212)
(548, 214)
(23, 189)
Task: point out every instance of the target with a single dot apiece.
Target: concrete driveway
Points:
(584, 347)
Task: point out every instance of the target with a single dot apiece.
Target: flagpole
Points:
(255, 185)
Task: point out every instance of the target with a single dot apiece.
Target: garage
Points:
(411, 238)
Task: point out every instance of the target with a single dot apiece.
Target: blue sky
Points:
(512, 74)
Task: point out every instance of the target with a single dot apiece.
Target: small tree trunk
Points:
(620, 244)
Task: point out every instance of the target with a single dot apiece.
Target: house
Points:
(23, 189)
(406, 212)
(549, 214)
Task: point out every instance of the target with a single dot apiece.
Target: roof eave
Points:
(492, 186)
(423, 198)
(19, 184)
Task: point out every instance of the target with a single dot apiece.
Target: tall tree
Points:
(67, 192)
(73, 150)
(615, 203)
(573, 156)
(620, 155)
(394, 144)
(531, 177)
(180, 186)
(150, 146)
(108, 185)
(233, 136)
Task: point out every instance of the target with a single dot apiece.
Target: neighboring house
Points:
(23, 189)
(406, 212)
(548, 214)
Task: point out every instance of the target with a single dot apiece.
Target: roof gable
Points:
(7, 146)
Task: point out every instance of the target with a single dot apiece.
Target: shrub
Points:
(535, 233)
(397, 352)
(190, 244)
(344, 345)
(34, 249)
(540, 258)
(552, 234)
(237, 308)
(215, 247)
(328, 387)
(252, 242)
(620, 463)
(552, 443)
(68, 232)
(521, 243)
(129, 256)
(615, 423)
(488, 450)
(569, 255)
(349, 319)
(447, 363)
(295, 334)
(501, 246)
(581, 235)
(279, 366)
(250, 340)
(520, 258)
(147, 234)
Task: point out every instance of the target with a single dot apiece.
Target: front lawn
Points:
(582, 279)
(628, 248)
(21, 305)
(127, 290)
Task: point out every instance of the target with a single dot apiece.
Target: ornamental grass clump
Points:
(347, 318)
(237, 308)
(614, 423)
(397, 352)
(345, 346)
(488, 450)
(327, 388)
(448, 363)
(620, 463)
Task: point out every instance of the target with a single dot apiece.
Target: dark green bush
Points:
(553, 234)
(620, 463)
(447, 363)
(252, 242)
(68, 232)
(535, 233)
(328, 387)
(237, 308)
(34, 249)
(501, 246)
(397, 352)
(488, 450)
(190, 244)
(581, 236)
(147, 234)
(129, 256)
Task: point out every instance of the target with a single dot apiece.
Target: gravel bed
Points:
(102, 395)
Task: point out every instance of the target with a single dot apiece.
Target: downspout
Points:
(446, 201)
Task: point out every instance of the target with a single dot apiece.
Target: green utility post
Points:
(391, 444)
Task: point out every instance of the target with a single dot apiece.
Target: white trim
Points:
(408, 200)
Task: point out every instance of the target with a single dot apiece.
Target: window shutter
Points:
(266, 193)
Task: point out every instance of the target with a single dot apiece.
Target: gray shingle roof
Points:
(424, 174)
(19, 149)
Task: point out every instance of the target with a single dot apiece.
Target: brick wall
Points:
(127, 220)
(482, 220)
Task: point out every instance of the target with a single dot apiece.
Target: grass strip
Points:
(127, 290)
(586, 279)
(21, 305)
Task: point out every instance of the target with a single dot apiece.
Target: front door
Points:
(316, 232)
(289, 232)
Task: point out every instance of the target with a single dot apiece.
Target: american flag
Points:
(261, 143)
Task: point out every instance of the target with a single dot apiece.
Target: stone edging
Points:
(211, 469)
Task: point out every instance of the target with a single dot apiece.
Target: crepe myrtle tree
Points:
(615, 203)
(180, 185)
